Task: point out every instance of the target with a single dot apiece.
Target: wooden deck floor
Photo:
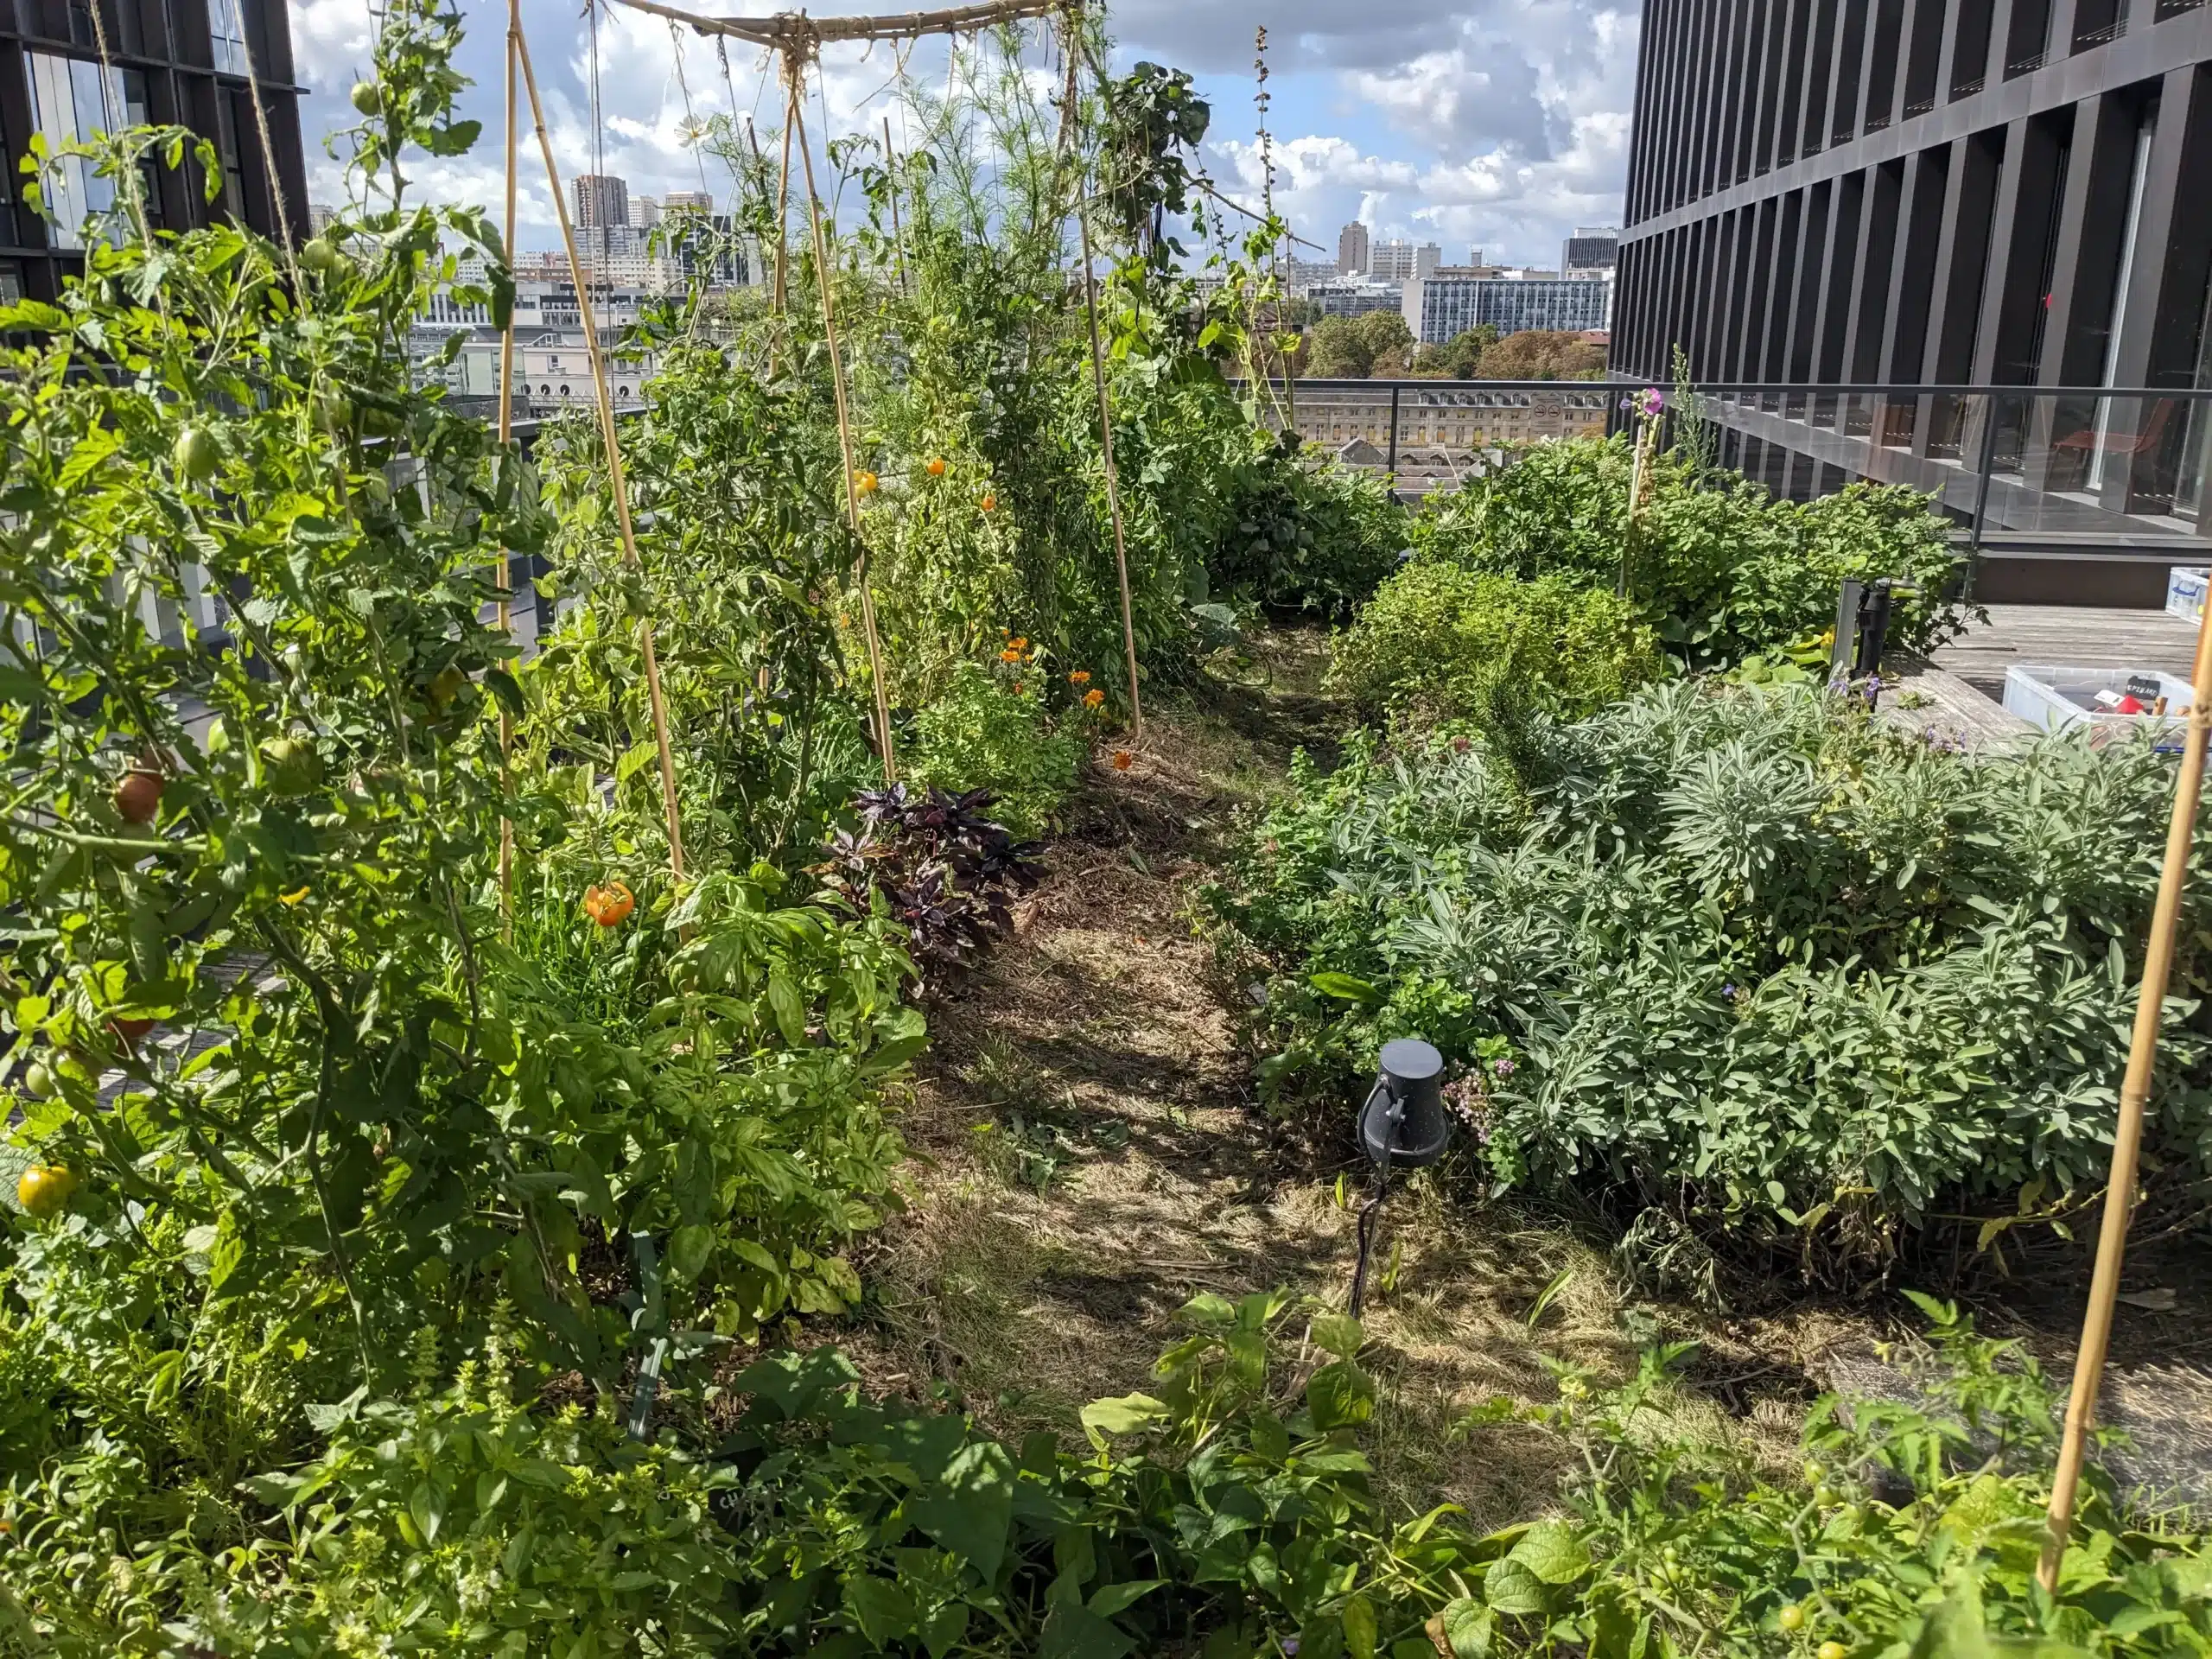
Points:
(2064, 633)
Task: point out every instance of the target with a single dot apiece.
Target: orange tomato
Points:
(990, 501)
(936, 467)
(865, 483)
(610, 906)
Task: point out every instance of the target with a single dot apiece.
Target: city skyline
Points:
(1499, 124)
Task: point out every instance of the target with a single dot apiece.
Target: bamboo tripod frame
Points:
(825, 283)
(2127, 1133)
(798, 37)
(603, 397)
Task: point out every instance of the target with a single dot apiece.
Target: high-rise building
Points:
(1351, 249)
(692, 201)
(183, 64)
(645, 213)
(1400, 261)
(1593, 247)
(1934, 193)
(603, 202)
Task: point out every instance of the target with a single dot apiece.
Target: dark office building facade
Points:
(2013, 193)
(167, 61)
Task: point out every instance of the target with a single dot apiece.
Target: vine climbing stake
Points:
(825, 283)
(605, 399)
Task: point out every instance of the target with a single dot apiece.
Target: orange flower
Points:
(1092, 698)
(1081, 676)
(1121, 759)
(1022, 644)
(1009, 655)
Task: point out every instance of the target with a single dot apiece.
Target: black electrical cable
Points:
(1382, 1187)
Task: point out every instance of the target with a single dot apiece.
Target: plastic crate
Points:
(2053, 697)
(2185, 585)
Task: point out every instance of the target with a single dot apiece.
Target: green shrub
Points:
(1716, 564)
(1311, 538)
(1444, 643)
(984, 734)
(1757, 959)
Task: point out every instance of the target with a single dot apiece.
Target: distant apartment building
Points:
(1355, 296)
(182, 63)
(1451, 300)
(1351, 249)
(603, 202)
(1299, 275)
(688, 201)
(1593, 247)
(1400, 261)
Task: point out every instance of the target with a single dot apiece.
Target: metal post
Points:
(1981, 487)
(1391, 465)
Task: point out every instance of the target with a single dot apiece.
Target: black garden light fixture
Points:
(1403, 1126)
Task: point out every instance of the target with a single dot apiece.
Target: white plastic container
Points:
(2053, 697)
(2185, 585)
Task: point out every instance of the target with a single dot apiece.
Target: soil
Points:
(1089, 1153)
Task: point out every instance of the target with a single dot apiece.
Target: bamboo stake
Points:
(1069, 132)
(794, 78)
(898, 234)
(2127, 1133)
(506, 570)
(605, 399)
(783, 237)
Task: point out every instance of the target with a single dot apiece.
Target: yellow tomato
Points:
(44, 1188)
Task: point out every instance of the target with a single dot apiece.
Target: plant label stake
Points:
(1402, 1125)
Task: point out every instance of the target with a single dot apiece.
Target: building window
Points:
(71, 100)
(226, 34)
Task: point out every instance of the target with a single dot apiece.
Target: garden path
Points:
(1088, 1154)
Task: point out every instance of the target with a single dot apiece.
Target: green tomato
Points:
(1792, 1618)
(333, 410)
(323, 256)
(368, 98)
(38, 1081)
(290, 766)
(196, 453)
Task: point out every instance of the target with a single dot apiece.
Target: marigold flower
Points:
(1092, 698)
(1010, 655)
(1121, 759)
(1081, 676)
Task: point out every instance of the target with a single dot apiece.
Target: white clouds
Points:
(1499, 122)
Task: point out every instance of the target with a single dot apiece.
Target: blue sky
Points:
(1496, 123)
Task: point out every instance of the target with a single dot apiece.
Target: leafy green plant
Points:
(1911, 1529)
(1440, 643)
(1313, 538)
(1716, 563)
(993, 732)
(936, 868)
(1785, 973)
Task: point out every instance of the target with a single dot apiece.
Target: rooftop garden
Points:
(787, 1118)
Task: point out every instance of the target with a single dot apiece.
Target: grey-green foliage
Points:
(1747, 952)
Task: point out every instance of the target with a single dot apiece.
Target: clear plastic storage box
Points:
(2053, 696)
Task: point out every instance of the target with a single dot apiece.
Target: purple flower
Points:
(1650, 402)
(1729, 991)
(1290, 1646)
(1503, 1068)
